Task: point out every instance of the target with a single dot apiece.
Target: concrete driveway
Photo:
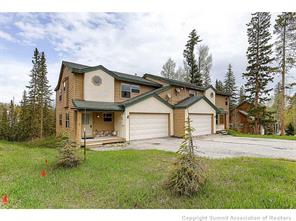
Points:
(220, 146)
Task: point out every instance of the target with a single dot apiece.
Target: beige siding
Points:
(176, 97)
(179, 122)
(208, 93)
(117, 91)
(220, 103)
(103, 92)
(100, 125)
(75, 82)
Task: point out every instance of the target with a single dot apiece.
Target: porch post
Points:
(78, 127)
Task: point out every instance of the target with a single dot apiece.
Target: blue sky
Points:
(128, 42)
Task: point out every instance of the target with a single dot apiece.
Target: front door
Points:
(87, 124)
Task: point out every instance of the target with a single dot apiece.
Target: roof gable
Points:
(192, 100)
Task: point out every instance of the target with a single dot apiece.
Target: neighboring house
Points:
(241, 121)
(110, 104)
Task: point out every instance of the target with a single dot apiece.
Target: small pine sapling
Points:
(189, 173)
(68, 156)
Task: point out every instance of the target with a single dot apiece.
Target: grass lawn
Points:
(133, 179)
(238, 134)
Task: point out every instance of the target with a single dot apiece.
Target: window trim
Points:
(67, 120)
(60, 119)
(130, 91)
(108, 117)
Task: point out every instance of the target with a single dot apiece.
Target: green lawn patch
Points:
(238, 134)
(133, 179)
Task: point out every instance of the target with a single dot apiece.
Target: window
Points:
(191, 93)
(226, 101)
(107, 117)
(127, 89)
(60, 95)
(65, 85)
(221, 119)
(135, 89)
(96, 80)
(67, 120)
(60, 119)
(216, 119)
(212, 95)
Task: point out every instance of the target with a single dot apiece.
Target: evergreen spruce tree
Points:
(24, 119)
(33, 127)
(194, 75)
(285, 30)
(4, 127)
(12, 122)
(219, 86)
(242, 95)
(259, 71)
(230, 86)
(43, 98)
(189, 173)
(168, 69)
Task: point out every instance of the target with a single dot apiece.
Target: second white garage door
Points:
(202, 123)
(144, 126)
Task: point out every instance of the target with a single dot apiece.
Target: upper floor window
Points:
(191, 93)
(60, 119)
(127, 89)
(64, 85)
(67, 120)
(60, 94)
(212, 95)
(226, 101)
(96, 80)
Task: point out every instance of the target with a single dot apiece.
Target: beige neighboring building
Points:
(111, 106)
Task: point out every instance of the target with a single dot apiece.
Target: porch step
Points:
(223, 132)
(103, 141)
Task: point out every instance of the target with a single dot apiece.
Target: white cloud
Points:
(136, 42)
(14, 76)
(140, 42)
(6, 36)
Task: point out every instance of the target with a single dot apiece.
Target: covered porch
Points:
(98, 123)
(221, 120)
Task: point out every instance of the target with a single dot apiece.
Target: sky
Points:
(126, 42)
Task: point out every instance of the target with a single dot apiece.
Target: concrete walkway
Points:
(219, 146)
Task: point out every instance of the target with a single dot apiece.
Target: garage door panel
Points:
(202, 123)
(144, 126)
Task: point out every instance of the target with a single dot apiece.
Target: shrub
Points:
(189, 172)
(290, 130)
(68, 156)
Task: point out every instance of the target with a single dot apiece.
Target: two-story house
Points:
(109, 104)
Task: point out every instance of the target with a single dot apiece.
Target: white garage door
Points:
(144, 126)
(202, 123)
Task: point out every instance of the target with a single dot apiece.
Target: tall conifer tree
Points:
(285, 30)
(230, 86)
(259, 71)
(194, 75)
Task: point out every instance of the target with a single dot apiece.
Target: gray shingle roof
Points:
(81, 69)
(192, 100)
(174, 82)
(97, 106)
